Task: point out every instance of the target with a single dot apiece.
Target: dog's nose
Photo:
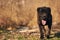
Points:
(44, 17)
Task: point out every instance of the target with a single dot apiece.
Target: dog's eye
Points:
(39, 15)
(44, 16)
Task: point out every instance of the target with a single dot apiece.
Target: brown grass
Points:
(23, 12)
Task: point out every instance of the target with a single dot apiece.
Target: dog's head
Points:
(43, 13)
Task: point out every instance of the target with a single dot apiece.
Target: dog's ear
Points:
(40, 9)
(48, 9)
(44, 9)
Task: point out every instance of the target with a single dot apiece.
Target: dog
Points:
(44, 18)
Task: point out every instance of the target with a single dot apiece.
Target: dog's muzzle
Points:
(43, 22)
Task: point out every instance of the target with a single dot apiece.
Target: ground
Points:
(18, 35)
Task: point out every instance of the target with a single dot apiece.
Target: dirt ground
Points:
(19, 35)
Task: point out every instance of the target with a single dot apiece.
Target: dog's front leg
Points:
(41, 31)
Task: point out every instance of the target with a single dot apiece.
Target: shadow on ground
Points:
(57, 35)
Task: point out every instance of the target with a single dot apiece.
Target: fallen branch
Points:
(29, 31)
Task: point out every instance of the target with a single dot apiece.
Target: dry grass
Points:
(17, 13)
(34, 35)
(23, 12)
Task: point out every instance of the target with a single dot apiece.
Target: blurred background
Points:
(24, 12)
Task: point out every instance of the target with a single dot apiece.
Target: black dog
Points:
(44, 18)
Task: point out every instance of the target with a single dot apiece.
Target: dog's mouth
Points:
(43, 22)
